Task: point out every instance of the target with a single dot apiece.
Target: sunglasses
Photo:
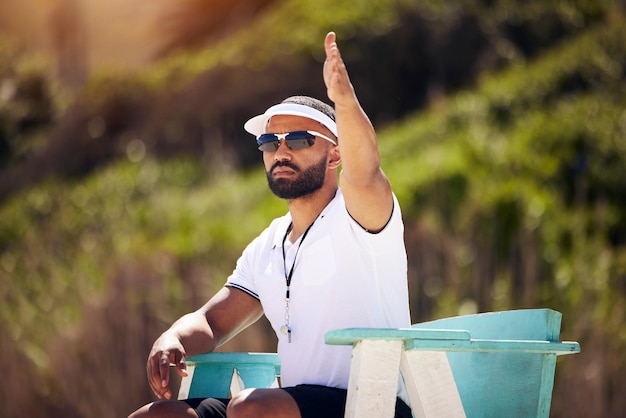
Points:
(295, 140)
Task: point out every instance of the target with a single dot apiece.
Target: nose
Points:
(283, 152)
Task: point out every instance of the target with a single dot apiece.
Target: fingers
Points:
(166, 350)
(164, 369)
(329, 42)
(158, 369)
(333, 59)
(155, 376)
(181, 367)
(338, 85)
(333, 56)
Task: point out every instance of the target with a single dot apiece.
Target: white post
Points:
(373, 384)
(236, 383)
(185, 382)
(430, 384)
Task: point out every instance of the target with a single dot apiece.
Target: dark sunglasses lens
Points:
(300, 140)
(299, 135)
(295, 141)
(268, 142)
(269, 146)
(296, 144)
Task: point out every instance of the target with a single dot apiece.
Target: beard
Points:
(304, 183)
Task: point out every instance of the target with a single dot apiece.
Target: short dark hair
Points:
(312, 103)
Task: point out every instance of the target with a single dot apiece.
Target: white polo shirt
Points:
(344, 277)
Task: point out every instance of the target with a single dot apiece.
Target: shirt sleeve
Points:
(254, 257)
(393, 231)
(242, 277)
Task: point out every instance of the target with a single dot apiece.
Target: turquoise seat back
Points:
(501, 384)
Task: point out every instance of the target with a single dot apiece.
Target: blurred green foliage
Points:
(513, 191)
(132, 210)
(538, 147)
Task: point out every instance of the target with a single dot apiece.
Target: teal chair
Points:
(498, 364)
(510, 353)
(221, 375)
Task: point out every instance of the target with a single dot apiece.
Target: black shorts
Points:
(314, 401)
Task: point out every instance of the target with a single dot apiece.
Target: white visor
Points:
(257, 125)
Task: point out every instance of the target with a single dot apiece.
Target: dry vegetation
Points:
(126, 201)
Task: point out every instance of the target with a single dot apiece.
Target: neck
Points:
(305, 210)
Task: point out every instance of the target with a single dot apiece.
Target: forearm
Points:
(194, 333)
(357, 141)
(366, 189)
(199, 332)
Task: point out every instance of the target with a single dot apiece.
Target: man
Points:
(336, 260)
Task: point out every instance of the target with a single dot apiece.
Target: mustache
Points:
(284, 164)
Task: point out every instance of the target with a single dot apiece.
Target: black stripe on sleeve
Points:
(243, 289)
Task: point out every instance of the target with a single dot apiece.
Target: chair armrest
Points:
(237, 359)
(221, 374)
(518, 346)
(447, 340)
(350, 336)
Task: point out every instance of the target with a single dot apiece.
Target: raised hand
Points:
(338, 86)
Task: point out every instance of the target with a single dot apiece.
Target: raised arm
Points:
(366, 189)
(223, 316)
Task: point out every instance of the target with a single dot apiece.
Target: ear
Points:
(334, 157)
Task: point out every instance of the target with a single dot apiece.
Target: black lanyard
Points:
(290, 275)
(286, 329)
